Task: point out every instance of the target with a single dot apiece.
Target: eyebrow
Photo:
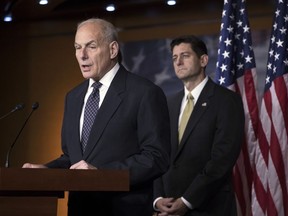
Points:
(185, 52)
(87, 44)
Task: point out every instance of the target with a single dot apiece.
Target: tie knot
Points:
(190, 96)
(96, 85)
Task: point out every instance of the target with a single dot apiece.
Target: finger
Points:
(27, 165)
(77, 165)
(74, 166)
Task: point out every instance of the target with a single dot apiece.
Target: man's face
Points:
(187, 64)
(92, 52)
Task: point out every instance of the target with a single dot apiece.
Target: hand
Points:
(82, 165)
(172, 207)
(164, 204)
(29, 165)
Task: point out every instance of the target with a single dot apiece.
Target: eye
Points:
(92, 46)
(186, 55)
(77, 47)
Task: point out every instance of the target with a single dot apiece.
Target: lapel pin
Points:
(204, 104)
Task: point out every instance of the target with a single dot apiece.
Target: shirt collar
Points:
(197, 90)
(108, 77)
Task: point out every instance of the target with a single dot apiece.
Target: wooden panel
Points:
(34, 192)
(28, 206)
(48, 180)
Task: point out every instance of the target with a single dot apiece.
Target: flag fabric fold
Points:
(236, 70)
(273, 130)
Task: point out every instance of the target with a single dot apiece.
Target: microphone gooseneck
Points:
(19, 106)
(34, 107)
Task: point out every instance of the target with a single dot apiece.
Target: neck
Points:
(191, 84)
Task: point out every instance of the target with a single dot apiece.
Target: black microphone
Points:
(19, 106)
(34, 107)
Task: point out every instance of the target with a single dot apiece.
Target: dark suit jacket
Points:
(201, 166)
(131, 132)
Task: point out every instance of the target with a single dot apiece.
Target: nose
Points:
(179, 60)
(83, 54)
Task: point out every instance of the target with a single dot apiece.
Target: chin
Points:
(87, 75)
(181, 75)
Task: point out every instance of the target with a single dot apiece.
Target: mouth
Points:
(181, 69)
(86, 67)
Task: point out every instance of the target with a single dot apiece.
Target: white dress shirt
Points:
(106, 82)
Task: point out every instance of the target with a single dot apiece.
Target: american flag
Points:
(236, 70)
(273, 130)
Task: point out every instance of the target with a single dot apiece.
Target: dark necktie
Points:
(91, 108)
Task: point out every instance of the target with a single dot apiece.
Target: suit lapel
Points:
(174, 108)
(110, 104)
(200, 108)
(76, 112)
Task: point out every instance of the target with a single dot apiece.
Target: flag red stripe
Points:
(247, 165)
(260, 183)
(251, 113)
(238, 187)
(251, 97)
(271, 208)
(261, 193)
(263, 143)
(276, 142)
(277, 159)
(281, 91)
(251, 100)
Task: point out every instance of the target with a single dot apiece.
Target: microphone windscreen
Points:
(19, 106)
(35, 105)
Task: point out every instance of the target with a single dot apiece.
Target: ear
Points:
(204, 60)
(114, 49)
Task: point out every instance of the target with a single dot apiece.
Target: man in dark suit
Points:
(131, 130)
(198, 181)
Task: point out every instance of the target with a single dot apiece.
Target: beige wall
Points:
(38, 64)
(35, 67)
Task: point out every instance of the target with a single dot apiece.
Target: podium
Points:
(31, 192)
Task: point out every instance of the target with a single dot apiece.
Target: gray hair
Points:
(108, 30)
